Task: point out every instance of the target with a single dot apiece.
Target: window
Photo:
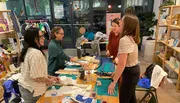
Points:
(37, 7)
(16, 6)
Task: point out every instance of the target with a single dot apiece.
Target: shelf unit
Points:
(11, 32)
(6, 32)
(170, 27)
(4, 14)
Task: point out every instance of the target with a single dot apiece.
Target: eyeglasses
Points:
(41, 36)
(61, 33)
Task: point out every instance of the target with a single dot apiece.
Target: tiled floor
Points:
(166, 94)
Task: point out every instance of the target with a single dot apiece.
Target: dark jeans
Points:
(130, 78)
(27, 95)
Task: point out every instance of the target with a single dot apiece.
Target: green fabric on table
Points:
(73, 76)
(98, 101)
(106, 67)
(56, 86)
(73, 67)
(103, 89)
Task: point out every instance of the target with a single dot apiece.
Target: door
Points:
(71, 15)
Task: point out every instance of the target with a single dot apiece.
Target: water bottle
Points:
(53, 91)
(53, 94)
(79, 52)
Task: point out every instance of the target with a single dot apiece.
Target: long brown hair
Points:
(55, 30)
(131, 27)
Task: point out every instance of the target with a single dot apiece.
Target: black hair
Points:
(29, 39)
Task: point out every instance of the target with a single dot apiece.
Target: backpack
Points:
(149, 70)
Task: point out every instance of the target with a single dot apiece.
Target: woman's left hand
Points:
(111, 89)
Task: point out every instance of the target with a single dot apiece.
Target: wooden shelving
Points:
(163, 25)
(5, 10)
(161, 56)
(6, 32)
(177, 49)
(175, 27)
(161, 41)
(169, 28)
(172, 67)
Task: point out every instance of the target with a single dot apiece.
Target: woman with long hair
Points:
(128, 66)
(34, 76)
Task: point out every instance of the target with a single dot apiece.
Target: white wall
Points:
(177, 2)
(2, 6)
(157, 3)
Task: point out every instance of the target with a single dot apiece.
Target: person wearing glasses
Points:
(34, 77)
(113, 42)
(56, 55)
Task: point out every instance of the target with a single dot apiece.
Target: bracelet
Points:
(113, 81)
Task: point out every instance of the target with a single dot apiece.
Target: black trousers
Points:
(130, 78)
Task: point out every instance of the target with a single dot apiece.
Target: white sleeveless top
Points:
(127, 45)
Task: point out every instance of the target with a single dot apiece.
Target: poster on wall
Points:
(109, 18)
(58, 11)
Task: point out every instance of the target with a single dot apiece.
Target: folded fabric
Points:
(144, 83)
(83, 99)
(106, 65)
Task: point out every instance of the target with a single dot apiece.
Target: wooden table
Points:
(109, 99)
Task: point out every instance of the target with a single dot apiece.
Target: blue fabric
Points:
(106, 65)
(8, 85)
(80, 99)
(144, 83)
(89, 35)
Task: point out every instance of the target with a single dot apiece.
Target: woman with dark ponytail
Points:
(34, 76)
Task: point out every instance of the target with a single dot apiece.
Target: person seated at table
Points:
(113, 42)
(128, 66)
(34, 76)
(56, 55)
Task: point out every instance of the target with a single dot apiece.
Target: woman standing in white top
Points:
(34, 76)
(128, 66)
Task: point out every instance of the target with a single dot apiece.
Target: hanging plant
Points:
(2, 0)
